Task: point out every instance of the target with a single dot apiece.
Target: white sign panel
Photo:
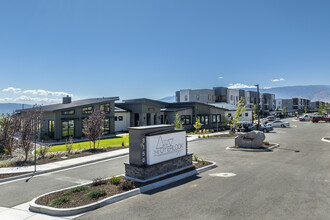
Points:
(165, 147)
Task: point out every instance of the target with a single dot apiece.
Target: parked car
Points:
(263, 127)
(305, 117)
(317, 118)
(279, 123)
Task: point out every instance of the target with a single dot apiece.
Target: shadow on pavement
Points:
(172, 185)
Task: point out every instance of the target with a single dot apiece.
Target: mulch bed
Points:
(3, 176)
(264, 146)
(80, 199)
(225, 135)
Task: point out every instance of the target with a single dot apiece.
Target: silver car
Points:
(279, 123)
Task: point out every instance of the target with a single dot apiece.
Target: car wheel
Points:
(265, 130)
(283, 126)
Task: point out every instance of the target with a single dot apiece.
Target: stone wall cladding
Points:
(147, 172)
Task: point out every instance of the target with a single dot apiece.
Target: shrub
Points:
(123, 141)
(203, 136)
(191, 133)
(98, 181)
(127, 185)
(7, 164)
(95, 194)
(203, 162)
(266, 143)
(7, 152)
(59, 201)
(76, 190)
(195, 157)
(208, 136)
(212, 131)
(199, 136)
(69, 145)
(43, 150)
(115, 180)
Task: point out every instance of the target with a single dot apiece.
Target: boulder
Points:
(253, 139)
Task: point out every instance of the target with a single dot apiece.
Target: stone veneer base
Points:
(150, 172)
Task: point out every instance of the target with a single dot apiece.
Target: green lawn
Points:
(109, 142)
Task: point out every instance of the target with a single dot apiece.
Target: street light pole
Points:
(258, 106)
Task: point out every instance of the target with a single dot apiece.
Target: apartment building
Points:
(195, 95)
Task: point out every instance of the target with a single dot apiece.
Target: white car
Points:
(279, 123)
(305, 117)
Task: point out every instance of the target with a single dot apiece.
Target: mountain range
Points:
(312, 92)
(11, 107)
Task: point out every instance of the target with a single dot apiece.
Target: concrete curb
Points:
(81, 209)
(59, 168)
(254, 150)
(325, 140)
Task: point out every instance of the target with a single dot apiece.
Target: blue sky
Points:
(152, 48)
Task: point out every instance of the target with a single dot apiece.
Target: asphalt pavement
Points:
(292, 182)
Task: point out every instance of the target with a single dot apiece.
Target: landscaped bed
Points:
(264, 146)
(59, 156)
(99, 190)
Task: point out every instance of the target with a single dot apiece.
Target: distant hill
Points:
(10, 107)
(169, 99)
(312, 92)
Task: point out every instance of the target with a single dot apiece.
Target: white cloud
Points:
(240, 86)
(12, 89)
(5, 99)
(220, 77)
(45, 92)
(277, 80)
(37, 99)
(267, 87)
(40, 92)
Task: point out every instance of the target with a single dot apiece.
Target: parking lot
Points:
(292, 182)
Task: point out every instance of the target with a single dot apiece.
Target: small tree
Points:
(305, 109)
(69, 145)
(177, 122)
(234, 122)
(285, 110)
(9, 126)
(255, 113)
(197, 124)
(93, 126)
(30, 125)
(321, 109)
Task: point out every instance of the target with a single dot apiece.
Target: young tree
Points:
(234, 122)
(197, 124)
(30, 125)
(93, 126)
(255, 113)
(177, 122)
(285, 110)
(305, 109)
(321, 109)
(9, 126)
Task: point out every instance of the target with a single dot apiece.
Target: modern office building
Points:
(195, 95)
(268, 102)
(66, 119)
(282, 103)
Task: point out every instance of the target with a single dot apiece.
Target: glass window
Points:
(105, 108)
(246, 114)
(116, 118)
(67, 128)
(51, 128)
(68, 112)
(87, 110)
(186, 119)
(106, 127)
(120, 118)
(219, 118)
(214, 118)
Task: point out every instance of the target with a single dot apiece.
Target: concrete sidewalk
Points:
(193, 137)
(66, 163)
